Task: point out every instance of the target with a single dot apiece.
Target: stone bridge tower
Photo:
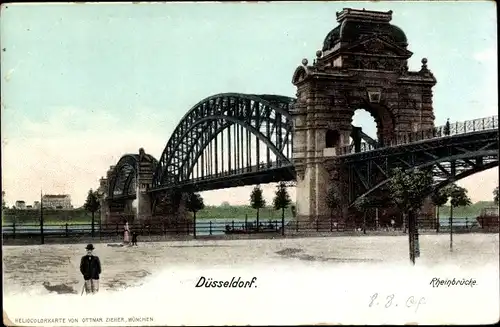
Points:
(363, 65)
(113, 211)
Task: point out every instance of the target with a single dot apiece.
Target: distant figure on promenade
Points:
(134, 238)
(126, 233)
(447, 127)
(90, 267)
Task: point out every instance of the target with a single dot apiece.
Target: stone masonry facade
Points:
(363, 65)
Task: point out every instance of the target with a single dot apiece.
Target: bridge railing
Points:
(231, 227)
(457, 128)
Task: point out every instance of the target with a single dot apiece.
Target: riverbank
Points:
(172, 238)
(79, 216)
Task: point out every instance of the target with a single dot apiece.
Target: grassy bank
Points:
(52, 217)
(28, 217)
(239, 212)
(466, 212)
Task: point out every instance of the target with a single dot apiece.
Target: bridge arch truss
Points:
(450, 158)
(228, 134)
(123, 181)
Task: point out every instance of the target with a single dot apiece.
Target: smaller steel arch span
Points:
(470, 155)
(273, 102)
(198, 154)
(127, 160)
(463, 175)
(128, 182)
(252, 129)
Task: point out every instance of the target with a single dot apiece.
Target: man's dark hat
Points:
(89, 247)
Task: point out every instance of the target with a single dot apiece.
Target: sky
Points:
(83, 84)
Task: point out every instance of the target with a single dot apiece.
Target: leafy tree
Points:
(439, 198)
(281, 201)
(362, 204)
(194, 203)
(257, 201)
(92, 205)
(495, 195)
(408, 190)
(169, 203)
(458, 198)
(4, 206)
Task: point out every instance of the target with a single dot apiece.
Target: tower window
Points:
(331, 138)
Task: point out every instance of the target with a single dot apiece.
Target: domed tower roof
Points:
(356, 24)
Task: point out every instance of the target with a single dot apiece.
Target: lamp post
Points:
(100, 194)
(41, 219)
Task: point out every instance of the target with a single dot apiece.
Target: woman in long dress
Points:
(126, 234)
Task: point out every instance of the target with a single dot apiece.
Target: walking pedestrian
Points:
(447, 127)
(90, 267)
(126, 233)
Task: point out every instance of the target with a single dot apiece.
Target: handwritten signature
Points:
(390, 301)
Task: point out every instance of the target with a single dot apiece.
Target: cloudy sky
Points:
(85, 83)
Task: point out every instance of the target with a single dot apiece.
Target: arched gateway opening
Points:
(360, 76)
(365, 133)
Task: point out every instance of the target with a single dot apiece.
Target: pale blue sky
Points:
(84, 83)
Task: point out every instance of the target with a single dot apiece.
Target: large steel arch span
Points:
(214, 114)
(460, 166)
(124, 174)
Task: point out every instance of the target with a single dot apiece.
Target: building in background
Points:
(56, 201)
(21, 205)
(36, 205)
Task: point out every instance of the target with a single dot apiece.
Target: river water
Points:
(214, 226)
(345, 280)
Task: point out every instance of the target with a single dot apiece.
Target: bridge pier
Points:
(170, 210)
(143, 210)
(348, 74)
(313, 185)
(105, 211)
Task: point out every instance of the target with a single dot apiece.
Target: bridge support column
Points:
(319, 172)
(170, 210)
(105, 211)
(144, 211)
(144, 180)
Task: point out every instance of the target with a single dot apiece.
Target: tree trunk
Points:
(404, 223)
(416, 242)
(451, 227)
(411, 239)
(437, 220)
(282, 221)
(258, 209)
(194, 224)
(364, 221)
(93, 229)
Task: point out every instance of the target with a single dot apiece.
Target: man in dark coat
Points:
(134, 238)
(90, 267)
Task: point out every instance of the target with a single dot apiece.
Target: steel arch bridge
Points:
(229, 140)
(234, 139)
